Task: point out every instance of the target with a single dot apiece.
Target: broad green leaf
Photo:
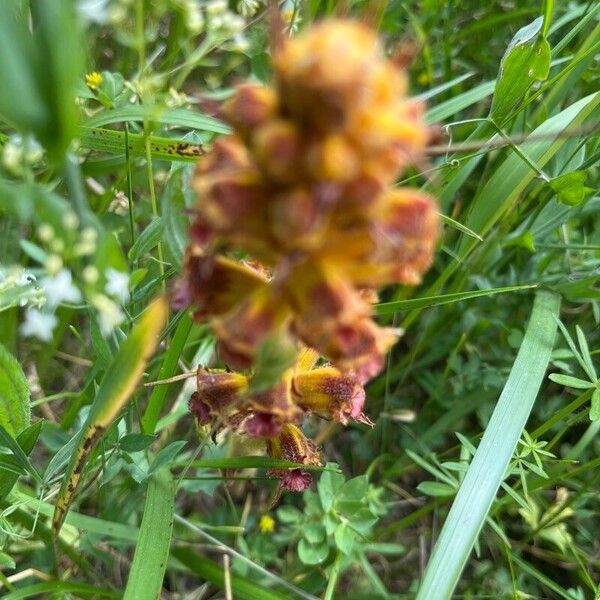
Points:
(152, 549)
(314, 532)
(116, 388)
(526, 60)
(312, 554)
(488, 467)
(289, 514)
(329, 484)
(166, 455)
(354, 489)
(344, 537)
(389, 308)
(570, 188)
(15, 410)
(135, 442)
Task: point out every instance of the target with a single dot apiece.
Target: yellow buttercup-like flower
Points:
(94, 80)
(266, 524)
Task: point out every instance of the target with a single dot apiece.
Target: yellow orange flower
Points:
(266, 524)
(302, 190)
(94, 80)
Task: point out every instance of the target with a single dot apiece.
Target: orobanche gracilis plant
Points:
(297, 226)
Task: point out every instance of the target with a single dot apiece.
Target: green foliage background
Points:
(490, 403)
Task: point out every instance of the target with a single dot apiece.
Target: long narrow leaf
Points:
(389, 308)
(115, 390)
(487, 470)
(152, 550)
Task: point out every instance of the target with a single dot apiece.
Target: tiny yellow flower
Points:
(266, 524)
(93, 80)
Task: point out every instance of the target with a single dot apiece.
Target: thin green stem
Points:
(333, 577)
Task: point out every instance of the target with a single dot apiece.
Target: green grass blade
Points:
(250, 462)
(487, 470)
(44, 590)
(508, 182)
(152, 550)
(242, 588)
(161, 148)
(389, 308)
(115, 390)
(176, 117)
(450, 107)
(159, 393)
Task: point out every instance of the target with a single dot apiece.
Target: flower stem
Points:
(333, 577)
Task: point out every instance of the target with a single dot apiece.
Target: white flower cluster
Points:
(218, 21)
(18, 287)
(19, 152)
(59, 289)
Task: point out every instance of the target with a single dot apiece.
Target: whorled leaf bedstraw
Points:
(303, 193)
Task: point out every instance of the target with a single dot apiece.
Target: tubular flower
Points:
(229, 399)
(291, 444)
(303, 189)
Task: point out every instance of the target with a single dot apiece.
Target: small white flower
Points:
(12, 156)
(109, 313)
(117, 284)
(90, 274)
(119, 204)
(194, 20)
(57, 245)
(94, 11)
(216, 22)
(45, 232)
(33, 151)
(240, 42)
(60, 288)
(232, 23)
(116, 14)
(70, 220)
(248, 8)
(89, 234)
(216, 7)
(38, 324)
(54, 264)
(25, 278)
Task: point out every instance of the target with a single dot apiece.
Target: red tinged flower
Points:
(292, 445)
(303, 186)
(295, 480)
(216, 284)
(263, 425)
(329, 392)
